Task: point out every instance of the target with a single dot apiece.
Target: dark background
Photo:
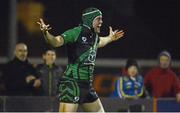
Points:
(150, 26)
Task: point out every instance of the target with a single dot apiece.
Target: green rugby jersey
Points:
(81, 45)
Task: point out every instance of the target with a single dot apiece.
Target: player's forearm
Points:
(55, 41)
(104, 41)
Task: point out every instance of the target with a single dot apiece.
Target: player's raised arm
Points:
(113, 36)
(55, 41)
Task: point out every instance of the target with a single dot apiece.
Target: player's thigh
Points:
(68, 96)
(95, 106)
(67, 107)
(68, 92)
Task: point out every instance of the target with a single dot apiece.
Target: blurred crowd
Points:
(158, 82)
(19, 77)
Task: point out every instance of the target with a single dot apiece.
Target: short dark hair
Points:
(131, 62)
(48, 49)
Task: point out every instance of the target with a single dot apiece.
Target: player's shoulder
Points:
(75, 29)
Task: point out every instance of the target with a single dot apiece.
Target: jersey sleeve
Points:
(71, 35)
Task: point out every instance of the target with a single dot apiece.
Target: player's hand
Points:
(116, 34)
(30, 78)
(43, 26)
(37, 83)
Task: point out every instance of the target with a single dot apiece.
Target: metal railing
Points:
(115, 63)
(49, 104)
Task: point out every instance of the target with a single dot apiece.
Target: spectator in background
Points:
(161, 81)
(130, 85)
(20, 77)
(49, 72)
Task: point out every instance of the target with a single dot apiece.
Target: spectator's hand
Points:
(115, 35)
(43, 26)
(30, 78)
(37, 83)
(178, 97)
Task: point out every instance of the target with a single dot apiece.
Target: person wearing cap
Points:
(161, 81)
(130, 85)
(82, 42)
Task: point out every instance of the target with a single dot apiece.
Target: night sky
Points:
(150, 25)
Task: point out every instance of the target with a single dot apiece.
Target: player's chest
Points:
(87, 39)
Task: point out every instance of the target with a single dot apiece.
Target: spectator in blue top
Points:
(130, 84)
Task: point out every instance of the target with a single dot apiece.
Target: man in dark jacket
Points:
(50, 72)
(20, 77)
